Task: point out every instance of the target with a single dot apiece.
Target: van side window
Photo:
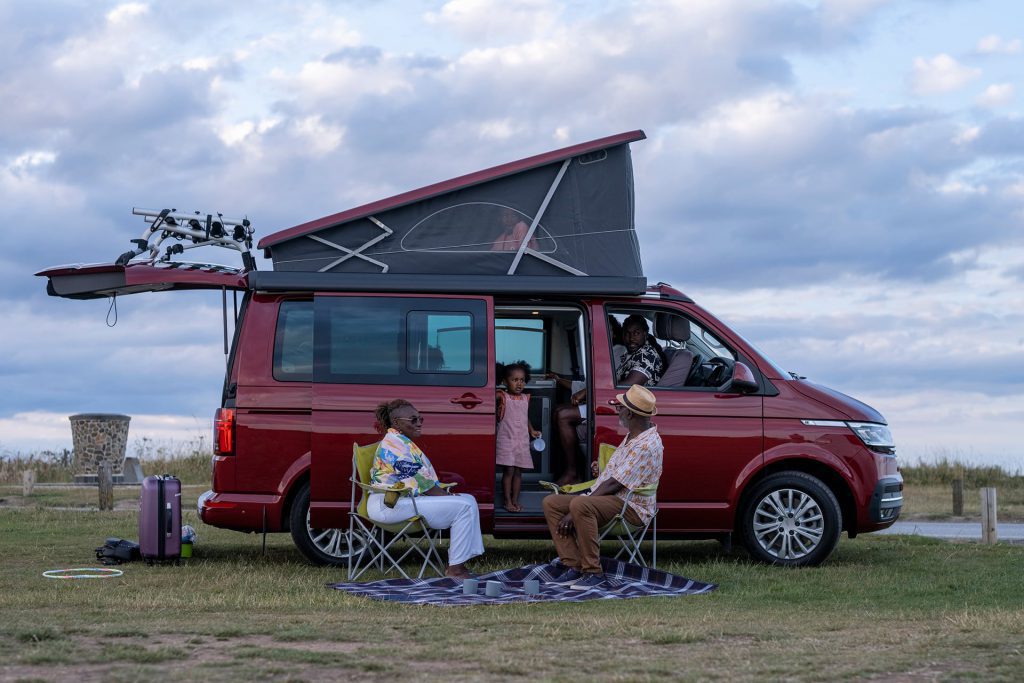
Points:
(293, 342)
(440, 342)
(688, 348)
(400, 340)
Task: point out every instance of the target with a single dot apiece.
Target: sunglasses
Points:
(417, 420)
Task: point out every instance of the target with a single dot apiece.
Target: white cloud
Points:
(32, 159)
(940, 74)
(994, 44)
(501, 129)
(995, 95)
(321, 137)
(126, 12)
(496, 21)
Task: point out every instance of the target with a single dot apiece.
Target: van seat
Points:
(678, 369)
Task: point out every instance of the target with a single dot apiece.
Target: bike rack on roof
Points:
(211, 229)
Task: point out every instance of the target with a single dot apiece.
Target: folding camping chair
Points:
(378, 538)
(629, 536)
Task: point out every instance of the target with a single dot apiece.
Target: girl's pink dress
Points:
(513, 437)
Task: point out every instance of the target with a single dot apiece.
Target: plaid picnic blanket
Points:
(624, 581)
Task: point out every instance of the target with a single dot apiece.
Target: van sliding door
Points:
(434, 351)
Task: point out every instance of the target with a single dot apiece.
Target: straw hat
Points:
(639, 400)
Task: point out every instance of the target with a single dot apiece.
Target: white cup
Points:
(493, 588)
(531, 587)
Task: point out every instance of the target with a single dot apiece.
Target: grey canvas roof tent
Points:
(562, 221)
(558, 222)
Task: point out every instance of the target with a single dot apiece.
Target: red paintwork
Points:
(450, 185)
(716, 444)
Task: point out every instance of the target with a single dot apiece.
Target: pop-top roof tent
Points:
(559, 222)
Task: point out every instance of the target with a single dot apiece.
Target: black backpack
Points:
(118, 550)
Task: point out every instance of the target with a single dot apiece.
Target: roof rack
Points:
(211, 229)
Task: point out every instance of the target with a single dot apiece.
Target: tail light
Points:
(224, 431)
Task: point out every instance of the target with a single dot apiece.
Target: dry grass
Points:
(935, 502)
(890, 608)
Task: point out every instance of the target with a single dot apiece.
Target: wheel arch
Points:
(294, 477)
(829, 476)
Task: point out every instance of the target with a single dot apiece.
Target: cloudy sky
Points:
(842, 181)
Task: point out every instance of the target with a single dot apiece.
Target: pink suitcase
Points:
(160, 518)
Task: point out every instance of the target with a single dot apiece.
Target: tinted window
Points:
(293, 342)
(520, 339)
(440, 342)
(394, 340)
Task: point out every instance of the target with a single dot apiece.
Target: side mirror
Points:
(743, 381)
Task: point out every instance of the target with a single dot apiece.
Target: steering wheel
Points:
(721, 371)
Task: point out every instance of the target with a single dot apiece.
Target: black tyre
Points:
(791, 519)
(319, 546)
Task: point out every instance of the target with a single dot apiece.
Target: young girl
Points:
(514, 432)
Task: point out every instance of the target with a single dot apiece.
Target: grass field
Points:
(885, 608)
(891, 608)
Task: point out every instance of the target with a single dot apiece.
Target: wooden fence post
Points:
(988, 516)
(958, 497)
(106, 482)
(28, 482)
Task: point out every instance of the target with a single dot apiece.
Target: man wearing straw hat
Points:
(574, 520)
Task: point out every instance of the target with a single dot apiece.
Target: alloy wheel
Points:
(788, 524)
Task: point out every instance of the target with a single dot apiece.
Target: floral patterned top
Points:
(634, 464)
(646, 360)
(400, 460)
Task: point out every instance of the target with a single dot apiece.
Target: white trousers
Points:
(458, 513)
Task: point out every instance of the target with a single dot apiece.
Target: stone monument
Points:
(98, 438)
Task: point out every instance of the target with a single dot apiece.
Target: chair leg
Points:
(654, 543)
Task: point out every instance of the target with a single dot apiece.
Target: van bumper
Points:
(240, 511)
(886, 502)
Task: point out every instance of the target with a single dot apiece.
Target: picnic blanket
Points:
(624, 581)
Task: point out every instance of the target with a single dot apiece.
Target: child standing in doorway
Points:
(514, 432)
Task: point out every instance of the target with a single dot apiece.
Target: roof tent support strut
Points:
(524, 248)
(224, 311)
(357, 252)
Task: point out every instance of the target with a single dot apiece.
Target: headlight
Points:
(873, 435)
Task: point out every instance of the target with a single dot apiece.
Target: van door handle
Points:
(604, 410)
(467, 401)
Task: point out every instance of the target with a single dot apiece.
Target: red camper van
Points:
(418, 296)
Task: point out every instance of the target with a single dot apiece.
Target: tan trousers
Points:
(581, 550)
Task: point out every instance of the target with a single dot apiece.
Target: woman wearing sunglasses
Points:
(400, 460)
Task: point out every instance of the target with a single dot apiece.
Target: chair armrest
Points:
(378, 488)
(568, 488)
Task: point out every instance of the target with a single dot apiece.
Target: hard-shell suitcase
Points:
(160, 518)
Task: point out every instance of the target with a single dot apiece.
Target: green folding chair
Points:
(378, 538)
(629, 536)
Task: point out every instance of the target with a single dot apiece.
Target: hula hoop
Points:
(99, 573)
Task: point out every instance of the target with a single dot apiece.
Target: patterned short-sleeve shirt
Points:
(646, 360)
(636, 463)
(399, 459)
